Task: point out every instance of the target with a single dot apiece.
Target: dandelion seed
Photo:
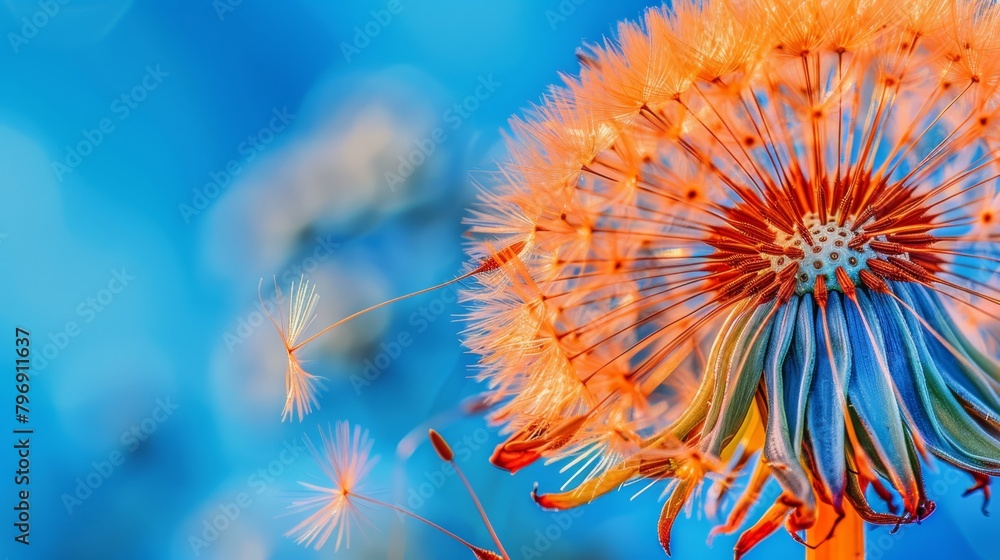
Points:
(301, 387)
(345, 459)
(793, 201)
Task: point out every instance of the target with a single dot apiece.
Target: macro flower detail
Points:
(301, 387)
(345, 459)
(789, 202)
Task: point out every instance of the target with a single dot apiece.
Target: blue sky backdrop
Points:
(158, 159)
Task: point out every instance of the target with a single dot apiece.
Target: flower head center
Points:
(830, 247)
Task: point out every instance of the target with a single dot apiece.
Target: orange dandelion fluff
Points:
(345, 459)
(792, 201)
(301, 387)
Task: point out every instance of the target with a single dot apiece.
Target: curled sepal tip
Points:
(982, 484)
(768, 523)
(671, 509)
(585, 492)
(528, 444)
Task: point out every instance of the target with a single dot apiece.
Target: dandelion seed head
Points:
(790, 202)
(301, 310)
(345, 459)
(301, 387)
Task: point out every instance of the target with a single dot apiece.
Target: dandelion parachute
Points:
(345, 459)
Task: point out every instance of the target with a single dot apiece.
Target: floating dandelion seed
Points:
(301, 387)
(788, 198)
(345, 459)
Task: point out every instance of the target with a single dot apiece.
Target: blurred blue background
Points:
(158, 159)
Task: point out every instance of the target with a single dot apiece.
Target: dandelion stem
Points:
(492, 262)
(423, 520)
(836, 538)
(376, 306)
(482, 512)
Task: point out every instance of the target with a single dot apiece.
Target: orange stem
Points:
(847, 541)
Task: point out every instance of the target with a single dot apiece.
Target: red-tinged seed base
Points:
(763, 253)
